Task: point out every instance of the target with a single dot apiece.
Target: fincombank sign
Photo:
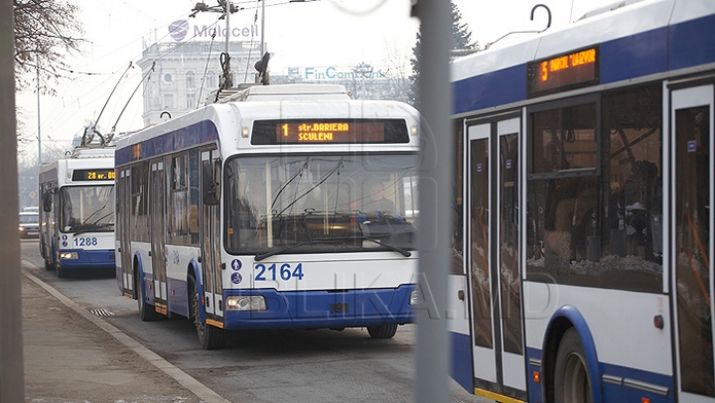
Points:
(181, 30)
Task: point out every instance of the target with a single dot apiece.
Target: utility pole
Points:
(12, 388)
(228, 25)
(226, 8)
(435, 193)
(39, 126)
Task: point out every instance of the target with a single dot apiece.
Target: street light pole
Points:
(436, 156)
(39, 126)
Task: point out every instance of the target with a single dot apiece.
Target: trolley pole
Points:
(435, 193)
(12, 388)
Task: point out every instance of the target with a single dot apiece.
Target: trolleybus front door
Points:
(494, 256)
(691, 119)
(158, 233)
(210, 238)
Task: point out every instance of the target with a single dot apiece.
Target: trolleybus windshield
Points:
(87, 208)
(320, 203)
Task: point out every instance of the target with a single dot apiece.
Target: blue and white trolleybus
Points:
(288, 207)
(583, 267)
(77, 211)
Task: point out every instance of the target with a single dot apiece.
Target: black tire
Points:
(146, 311)
(572, 381)
(61, 273)
(210, 337)
(383, 331)
(49, 266)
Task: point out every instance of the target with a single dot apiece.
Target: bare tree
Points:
(45, 32)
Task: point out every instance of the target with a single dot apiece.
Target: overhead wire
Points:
(359, 13)
(206, 70)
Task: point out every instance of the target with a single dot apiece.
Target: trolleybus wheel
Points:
(383, 331)
(49, 266)
(210, 337)
(572, 382)
(146, 311)
(61, 273)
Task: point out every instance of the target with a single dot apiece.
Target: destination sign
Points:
(93, 175)
(329, 131)
(563, 72)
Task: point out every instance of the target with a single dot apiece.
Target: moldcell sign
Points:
(180, 29)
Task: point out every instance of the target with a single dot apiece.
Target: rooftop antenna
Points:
(533, 11)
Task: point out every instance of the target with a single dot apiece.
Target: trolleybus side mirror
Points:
(47, 202)
(212, 189)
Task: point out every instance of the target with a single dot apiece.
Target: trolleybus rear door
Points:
(158, 234)
(210, 238)
(494, 256)
(691, 144)
(123, 206)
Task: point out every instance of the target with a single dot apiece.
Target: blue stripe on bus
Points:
(178, 296)
(89, 259)
(610, 392)
(195, 134)
(322, 309)
(533, 388)
(489, 90)
(622, 393)
(461, 367)
(645, 53)
(692, 43)
(633, 56)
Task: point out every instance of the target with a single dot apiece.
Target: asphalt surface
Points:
(260, 366)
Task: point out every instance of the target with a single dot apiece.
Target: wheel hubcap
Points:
(577, 387)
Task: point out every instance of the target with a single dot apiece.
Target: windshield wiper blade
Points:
(81, 229)
(90, 227)
(394, 248)
(261, 256)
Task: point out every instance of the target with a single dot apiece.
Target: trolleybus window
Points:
(601, 226)
(87, 208)
(319, 203)
(457, 266)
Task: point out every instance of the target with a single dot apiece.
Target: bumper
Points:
(89, 259)
(29, 233)
(324, 309)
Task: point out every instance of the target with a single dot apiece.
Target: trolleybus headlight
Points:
(69, 255)
(246, 303)
(414, 297)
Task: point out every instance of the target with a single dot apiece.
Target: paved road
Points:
(277, 366)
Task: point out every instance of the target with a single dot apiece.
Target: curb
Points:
(201, 391)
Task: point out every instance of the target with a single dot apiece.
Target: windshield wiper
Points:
(320, 182)
(89, 227)
(394, 248)
(274, 252)
(285, 185)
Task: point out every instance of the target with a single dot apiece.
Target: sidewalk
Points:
(70, 360)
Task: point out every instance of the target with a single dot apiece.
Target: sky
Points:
(315, 34)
